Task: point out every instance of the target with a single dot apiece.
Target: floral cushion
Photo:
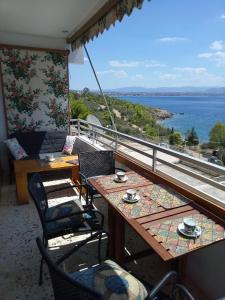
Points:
(111, 281)
(67, 223)
(68, 146)
(16, 150)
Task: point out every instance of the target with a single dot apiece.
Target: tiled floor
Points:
(19, 256)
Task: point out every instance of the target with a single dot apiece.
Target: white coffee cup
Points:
(131, 194)
(50, 157)
(189, 225)
(120, 175)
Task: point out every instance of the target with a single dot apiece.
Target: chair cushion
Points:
(66, 224)
(111, 281)
(15, 148)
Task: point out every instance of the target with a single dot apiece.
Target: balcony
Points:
(20, 224)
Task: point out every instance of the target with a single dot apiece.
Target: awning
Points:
(112, 11)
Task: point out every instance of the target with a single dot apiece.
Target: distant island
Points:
(167, 91)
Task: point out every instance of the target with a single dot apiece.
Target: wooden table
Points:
(155, 217)
(24, 167)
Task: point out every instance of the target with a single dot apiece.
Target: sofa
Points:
(38, 144)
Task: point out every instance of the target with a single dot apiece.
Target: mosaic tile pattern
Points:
(134, 179)
(167, 197)
(166, 233)
(143, 207)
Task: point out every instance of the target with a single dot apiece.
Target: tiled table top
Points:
(158, 213)
(143, 207)
(165, 231)
(104, 184)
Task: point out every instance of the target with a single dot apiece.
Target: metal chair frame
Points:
(41, 202)
(66, 288)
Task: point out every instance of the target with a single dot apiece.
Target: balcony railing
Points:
(205, 175)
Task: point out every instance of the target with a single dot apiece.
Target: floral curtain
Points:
(123, 7)
(35, 89)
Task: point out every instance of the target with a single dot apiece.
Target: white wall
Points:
(32, 41)
(206, 267)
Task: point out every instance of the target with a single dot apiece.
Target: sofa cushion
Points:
(53, 142)
(111, 281)
(36, 142)
(31, 141)
(15, 148)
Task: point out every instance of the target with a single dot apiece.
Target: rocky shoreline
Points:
(162, 114)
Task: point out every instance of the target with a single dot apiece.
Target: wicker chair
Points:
(95, 163)
(64, 218)
(106, 280)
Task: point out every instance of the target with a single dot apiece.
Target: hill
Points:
(130, 118)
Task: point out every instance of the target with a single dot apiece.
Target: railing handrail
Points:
(198, 162)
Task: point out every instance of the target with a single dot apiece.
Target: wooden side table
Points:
(24, 167)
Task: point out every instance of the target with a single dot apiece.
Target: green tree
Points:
(79, 110)
(85, 91)
(217, 135)
(175, 138)
(192, 137)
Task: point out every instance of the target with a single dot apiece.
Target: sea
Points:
(200, 112)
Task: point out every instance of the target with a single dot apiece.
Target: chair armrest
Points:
(66, 187)
(67, 216)
(162, 283)
(83, 177)
(184, 290)
(81, 244)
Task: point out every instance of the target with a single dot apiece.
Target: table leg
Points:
(116, 236)
(21, 188)
(74, 174)
(119, 239)
(111, 229)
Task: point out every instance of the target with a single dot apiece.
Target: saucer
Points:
(195, 234)
(136, 199)
(51, 159)
(116, 179)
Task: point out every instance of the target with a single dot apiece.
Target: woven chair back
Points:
(64, 287)
(95, 163)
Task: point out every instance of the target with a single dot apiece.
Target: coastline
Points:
(200, 112)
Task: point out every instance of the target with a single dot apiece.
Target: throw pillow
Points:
(68, 146)
(16, 150)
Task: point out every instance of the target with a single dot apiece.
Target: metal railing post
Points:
(78, 127)
(116, 142)
(154, 160)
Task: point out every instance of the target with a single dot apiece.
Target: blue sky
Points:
(165, 44)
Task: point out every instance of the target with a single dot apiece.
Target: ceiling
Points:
(50, 18)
